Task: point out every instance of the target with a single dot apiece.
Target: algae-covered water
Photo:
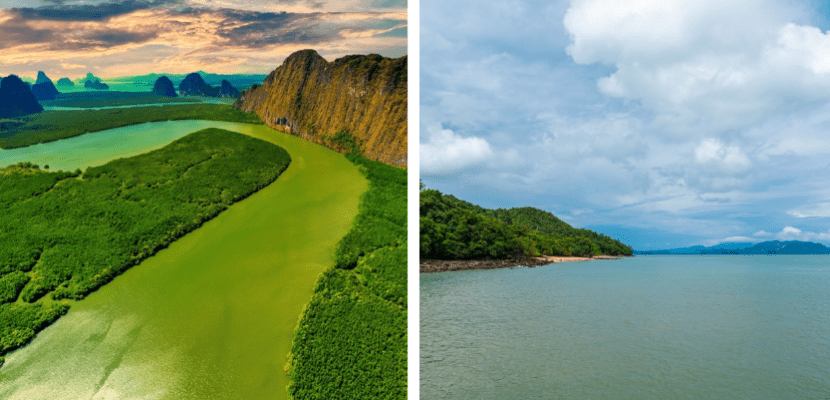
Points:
(210, 317)
(650, 327)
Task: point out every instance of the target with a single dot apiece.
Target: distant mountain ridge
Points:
(237, 80)
(769, 247)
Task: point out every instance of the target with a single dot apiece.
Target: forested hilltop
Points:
(453, 229)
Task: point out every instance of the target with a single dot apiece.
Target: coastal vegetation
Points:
(351, 339)
(65, 234)
(453, 229)
(48, 126)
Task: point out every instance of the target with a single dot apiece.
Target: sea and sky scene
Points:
(203, 199)
(624, 199)
(662, 124)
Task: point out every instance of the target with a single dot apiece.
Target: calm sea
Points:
(648, 327)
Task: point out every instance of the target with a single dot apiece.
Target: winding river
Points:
(213, 315)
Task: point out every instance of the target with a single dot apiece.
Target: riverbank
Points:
(428, 266)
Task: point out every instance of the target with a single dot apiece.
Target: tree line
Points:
(453, 229)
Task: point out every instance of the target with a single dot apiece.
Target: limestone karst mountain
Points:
(227, 90)
(65, 82)
(364, 96)
(45, 90)
(194, 85)
(16, 98)
(164, 87)
(95, 84)
(42, 78)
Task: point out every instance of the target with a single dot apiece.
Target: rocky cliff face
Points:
(16, 98)
(315, 99)
(164, 87)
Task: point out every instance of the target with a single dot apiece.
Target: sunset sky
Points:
(662, 123)
(135, 37)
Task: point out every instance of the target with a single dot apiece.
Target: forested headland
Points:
(351, 339)
(65, 234)
(49, 126)
(453, 229)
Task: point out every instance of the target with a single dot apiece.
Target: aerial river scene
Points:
(170, 327)
(203, 201)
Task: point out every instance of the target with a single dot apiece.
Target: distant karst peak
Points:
(164, 87)
(16, 98)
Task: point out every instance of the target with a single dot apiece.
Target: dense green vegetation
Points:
(351, 339)
(453, 229)
(344, 142)
(111, 99)
(65, 234)
(48, 126)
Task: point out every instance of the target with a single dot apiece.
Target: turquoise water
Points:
(650, 327)
(100, 147)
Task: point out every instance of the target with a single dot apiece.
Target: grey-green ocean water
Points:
(649, 327)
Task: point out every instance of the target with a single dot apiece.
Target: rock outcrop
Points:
(16, 98)
(45, 91)
(164, 87)
(65, 82)
(364, 96)
(227, 90)
(42, 78)
(95, 84)
(194, 85)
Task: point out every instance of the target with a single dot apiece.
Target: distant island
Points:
(769, 247)
(453, 230)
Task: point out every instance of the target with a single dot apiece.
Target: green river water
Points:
(213, 315)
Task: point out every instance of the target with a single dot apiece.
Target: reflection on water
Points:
(652, 327)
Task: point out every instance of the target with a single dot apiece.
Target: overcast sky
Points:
(135, 37)
(661, 123)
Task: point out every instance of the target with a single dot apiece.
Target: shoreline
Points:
(431, 266)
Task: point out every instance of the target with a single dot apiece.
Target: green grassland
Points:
(111, 99)
(351, 339)
(48, 126)
(453, 229)
(65, 234)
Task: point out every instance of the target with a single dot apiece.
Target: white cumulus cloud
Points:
(446, 152)
(714, 152)
(720, 64)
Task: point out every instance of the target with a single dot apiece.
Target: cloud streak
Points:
(183, 35)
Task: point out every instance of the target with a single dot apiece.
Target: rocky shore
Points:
(427, 266)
